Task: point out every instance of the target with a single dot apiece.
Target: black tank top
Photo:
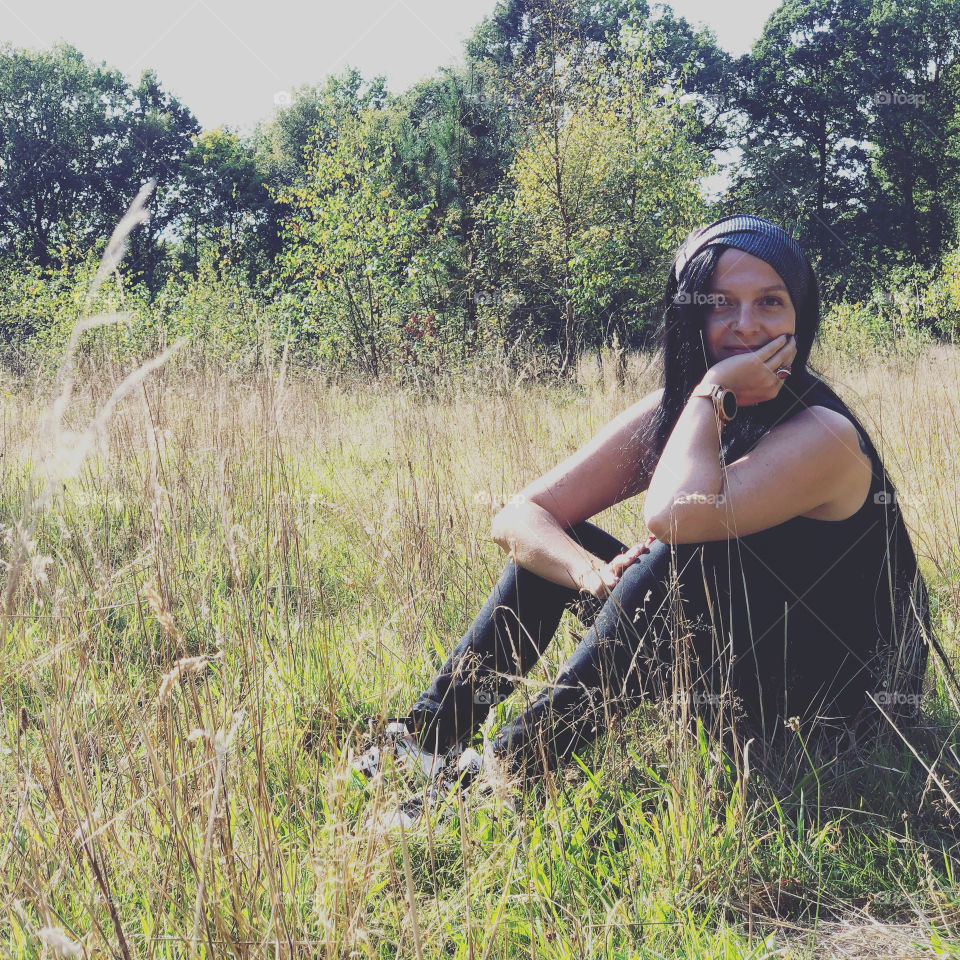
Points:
(805, 608)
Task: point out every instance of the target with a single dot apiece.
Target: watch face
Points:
(729, 403)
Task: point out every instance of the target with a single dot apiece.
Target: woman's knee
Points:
(667, 575)
(596, 540)
(638, 615)
(649, 573)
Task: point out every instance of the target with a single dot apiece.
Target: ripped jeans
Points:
(627, 656)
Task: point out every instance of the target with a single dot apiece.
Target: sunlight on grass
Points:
(319, 548)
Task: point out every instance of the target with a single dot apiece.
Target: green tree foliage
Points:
(914, 131)
(309, 117)
(514, 38)
(850, 133)
(675, 56)
(521, 40)
(532, 195)
(155, 133)
(600, 203)
(76, 144)
(804, 99)
(454, 146)
(225, 203)
(350, 250)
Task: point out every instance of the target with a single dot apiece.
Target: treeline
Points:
(531, 196)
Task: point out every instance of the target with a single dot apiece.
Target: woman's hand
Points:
(750, 375)
(599, 581)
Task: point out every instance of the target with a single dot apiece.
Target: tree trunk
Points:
(569, 352)
(620, 351)
(371, 337)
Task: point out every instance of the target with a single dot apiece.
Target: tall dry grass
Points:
(237, 569)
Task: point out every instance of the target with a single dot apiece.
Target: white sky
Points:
(227, 60)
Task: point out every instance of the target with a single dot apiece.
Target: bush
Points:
(217, 310)
(38, 309)
(895, 317)
(941, 298)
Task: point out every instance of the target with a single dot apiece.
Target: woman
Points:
(780, 556)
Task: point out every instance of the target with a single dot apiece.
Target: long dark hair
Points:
(683, 352)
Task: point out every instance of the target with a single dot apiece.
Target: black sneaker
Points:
(457, 773)
(398, 742)
(406, 814)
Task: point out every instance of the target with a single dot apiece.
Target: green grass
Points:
(333, 543)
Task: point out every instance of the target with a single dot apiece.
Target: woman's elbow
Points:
(501, 528)
(672, 527)
(656, 521)
(500, 538)
(657, 527)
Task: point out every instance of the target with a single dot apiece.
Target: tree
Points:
(308, 118)
(350, 245)
(805, 95)
(850, 133)
(155, 134)
(225, 202)
(675, 56)
(601, 202)
(76, 144)
(56, 146)
(914, 130)
(516, 35)
(453, 148)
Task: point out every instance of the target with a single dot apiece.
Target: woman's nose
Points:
(745, 319)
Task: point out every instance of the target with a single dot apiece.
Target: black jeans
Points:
(628, 654)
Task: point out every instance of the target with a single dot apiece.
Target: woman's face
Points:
(749, 305)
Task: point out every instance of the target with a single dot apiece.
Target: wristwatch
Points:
(724, 400)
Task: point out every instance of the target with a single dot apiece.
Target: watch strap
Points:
(714, 392)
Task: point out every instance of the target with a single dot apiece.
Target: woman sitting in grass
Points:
(777, 536)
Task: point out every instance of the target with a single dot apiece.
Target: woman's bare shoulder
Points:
(852, 497)
(842, 423)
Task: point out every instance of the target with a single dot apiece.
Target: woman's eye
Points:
(771, 301)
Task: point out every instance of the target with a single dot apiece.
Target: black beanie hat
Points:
(758, 236)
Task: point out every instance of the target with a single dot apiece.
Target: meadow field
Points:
(210, 583)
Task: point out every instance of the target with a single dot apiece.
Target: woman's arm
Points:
(612, 466)
(808, 462)
(537, 542)
(689, 467)
(811, 460)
